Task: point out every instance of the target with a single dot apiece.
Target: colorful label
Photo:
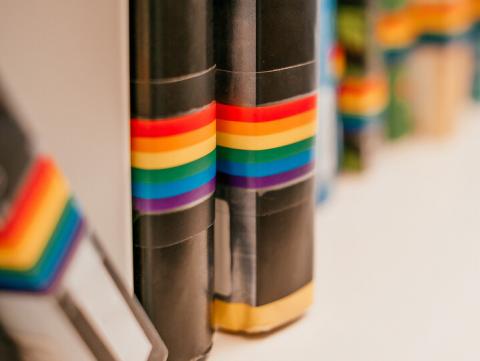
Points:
(39, 231)
(362, 96)
(361, 102)
(424, 22)
(445, 18)
(260, 147)
(396, 30)
(173, 160)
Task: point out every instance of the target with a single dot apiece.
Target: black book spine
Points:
(174, 168)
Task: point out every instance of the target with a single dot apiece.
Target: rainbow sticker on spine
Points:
(173, 168)
(173, 160)
(56, 282)
(442, 21)
(266, 124)
(265, 146)
(362, 92)
(361, 102)
(39, 232)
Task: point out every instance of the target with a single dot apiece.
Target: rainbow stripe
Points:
(448, 18)
(425, 22)
(364, 96)
(265, 146)
(396, 30)
(361, 101)
(40, 230)
(173, 160)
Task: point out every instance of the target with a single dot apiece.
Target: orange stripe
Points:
(361, 86)
(448, 17)
(362, 95)
(366, 104)
(264, 128)
(173, 142)
(33, 239)
(395, 29)
(476, 8)
(27, 209)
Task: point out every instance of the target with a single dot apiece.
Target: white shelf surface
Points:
(397, 262)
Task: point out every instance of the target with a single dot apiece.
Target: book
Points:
(266, 93)
(173, 150)
(60, 297)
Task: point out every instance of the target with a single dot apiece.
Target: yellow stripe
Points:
(371, 103)
(249, 142)
(239, 317)
(30, 247)
(162, 160)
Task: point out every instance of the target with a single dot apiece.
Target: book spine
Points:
(173, 144)
(266, 93)
(60, 296)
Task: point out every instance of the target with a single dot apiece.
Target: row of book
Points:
(223, 127)
(225, 108)
(388, 69)
(408, 66)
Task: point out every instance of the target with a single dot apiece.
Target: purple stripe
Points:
(263, 182)
(163, 204)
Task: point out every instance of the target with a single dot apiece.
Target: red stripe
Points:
(266, 113)
(174, 125)
(26, 198)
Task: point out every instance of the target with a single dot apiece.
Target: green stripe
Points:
(259, 156)
(172, 174)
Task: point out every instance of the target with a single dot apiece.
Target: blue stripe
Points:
(44, 272)
(171, 189)
(267, 168)
(355, 123)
